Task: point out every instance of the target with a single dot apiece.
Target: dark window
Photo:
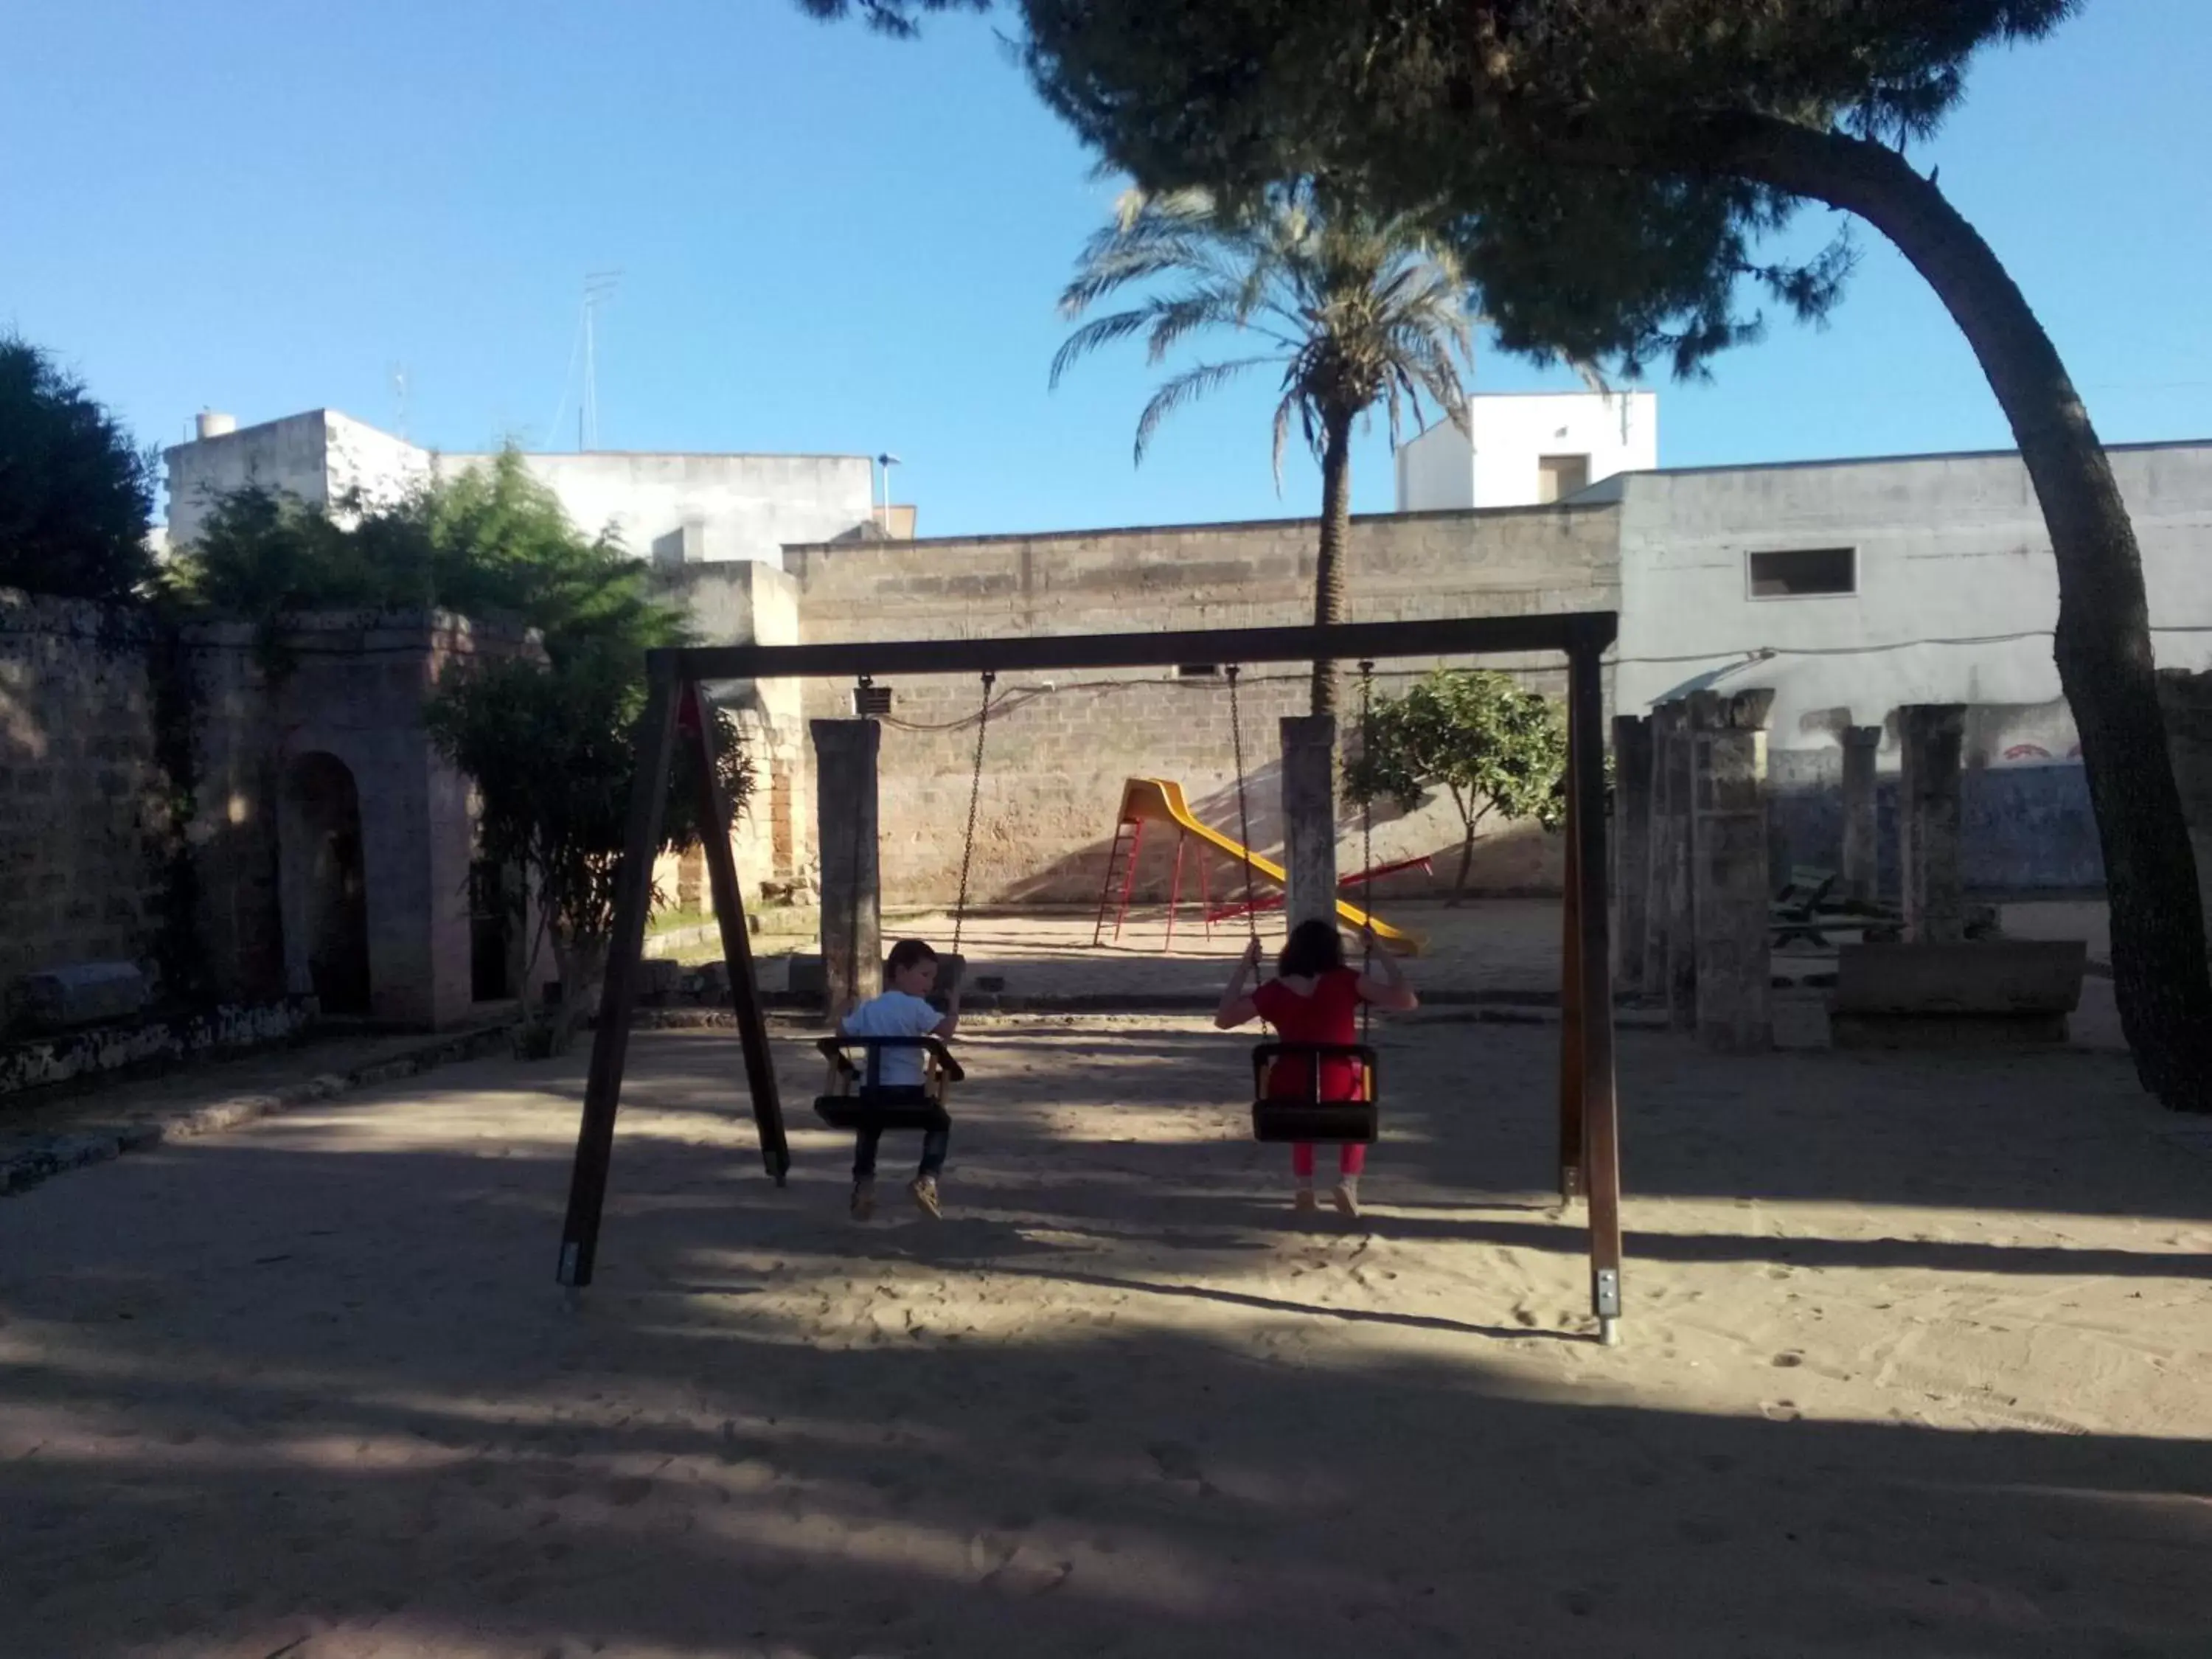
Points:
(1197, 670)
(1804, 572)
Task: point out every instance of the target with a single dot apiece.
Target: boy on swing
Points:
(1315, 998)
(902, 1011)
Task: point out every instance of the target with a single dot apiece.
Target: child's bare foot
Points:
(924, 1188)
(1302, 1202)
(864, 1200)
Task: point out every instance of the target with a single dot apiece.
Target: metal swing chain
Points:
(1366, 837)
(1244, 824)
(975, 794)
(852, 919)
(1244, 814)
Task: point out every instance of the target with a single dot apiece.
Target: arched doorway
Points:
(326, 896)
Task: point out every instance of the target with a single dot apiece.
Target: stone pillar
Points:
(845, 830)
(1309, 817)
(1931, 736)
(1631, 849)
(1670, 935)
(1860, 869)
(1728, 840)
(2186, 699)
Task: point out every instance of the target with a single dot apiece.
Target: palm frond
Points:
(1283, 413)
(1098, 332)
(1368, 313)
(1184, 388)
(1172, 320)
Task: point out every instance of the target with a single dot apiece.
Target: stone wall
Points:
(729, 602)
(2186, 699)
(143, 791)
(1060, 746)
(83, 821)
(2024, 829)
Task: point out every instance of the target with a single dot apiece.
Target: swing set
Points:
(1588, 1118)
(854, 1097)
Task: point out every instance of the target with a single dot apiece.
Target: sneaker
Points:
(1302, 1202)
(864, 1200)
(1346, 1198)
(924, 1188)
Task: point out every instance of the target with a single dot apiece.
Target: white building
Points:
(1528, 449)
(1858, 585)
(1850, 588)
(673, 509)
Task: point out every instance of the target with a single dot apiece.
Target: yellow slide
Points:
(1159, 800)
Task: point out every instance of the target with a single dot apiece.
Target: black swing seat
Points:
(1313, 1118)
(856, 1099)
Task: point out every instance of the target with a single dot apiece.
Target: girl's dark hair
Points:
(907, 952)
(1312, 950)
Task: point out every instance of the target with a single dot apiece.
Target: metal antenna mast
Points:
(598, 285)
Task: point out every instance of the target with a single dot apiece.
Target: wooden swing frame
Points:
(676, 707)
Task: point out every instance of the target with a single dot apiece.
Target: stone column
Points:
(1670, 936)
(2186, 699)
(1931, 736)
(1728, 840)
(1631, 849)
(1860, 869)
(845, 830)
(1309, 817)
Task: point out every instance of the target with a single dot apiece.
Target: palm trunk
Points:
(2103, 645)
(1335, 532)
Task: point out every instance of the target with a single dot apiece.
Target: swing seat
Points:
(855, 1098)
(1314, 1119)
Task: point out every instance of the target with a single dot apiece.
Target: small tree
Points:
(548, 743)
(491, 541)
(1477, 736)
(75, 492)
(551, 754)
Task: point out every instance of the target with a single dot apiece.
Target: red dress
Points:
(1330, 1014)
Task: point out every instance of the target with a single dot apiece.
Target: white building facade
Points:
(1528, 449)
(674, 509)
(1850, 588)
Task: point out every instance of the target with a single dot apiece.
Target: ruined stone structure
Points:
(254, 819)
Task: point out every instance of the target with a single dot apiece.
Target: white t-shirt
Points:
(894, 1014)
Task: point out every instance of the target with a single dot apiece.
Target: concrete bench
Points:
(2005, 992)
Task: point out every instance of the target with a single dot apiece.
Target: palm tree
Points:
(1355, 311)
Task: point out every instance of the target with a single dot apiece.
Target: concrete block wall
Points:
(82, 818)
(1060, 746)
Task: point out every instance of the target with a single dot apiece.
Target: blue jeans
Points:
(935, 1143)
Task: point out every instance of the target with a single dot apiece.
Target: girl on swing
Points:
(1315, 998)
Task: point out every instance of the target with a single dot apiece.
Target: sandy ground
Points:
(1916, 1363)
(1491, 949)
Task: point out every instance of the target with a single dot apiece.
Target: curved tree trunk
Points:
(2103, 647)
(1336, 533)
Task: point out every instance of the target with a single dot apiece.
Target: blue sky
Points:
(829, 241)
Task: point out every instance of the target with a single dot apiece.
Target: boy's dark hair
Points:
(1312, 950)
(907, 954)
